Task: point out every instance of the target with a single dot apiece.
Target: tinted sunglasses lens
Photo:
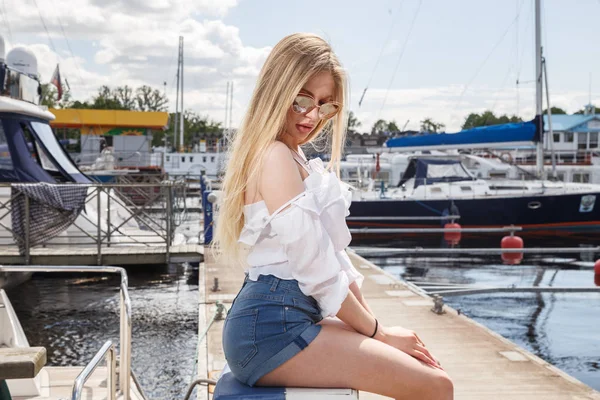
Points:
(328, 110)
(303, 104)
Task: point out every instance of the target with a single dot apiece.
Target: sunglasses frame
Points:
(317, 106)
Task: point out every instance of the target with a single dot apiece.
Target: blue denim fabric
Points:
(270, 321)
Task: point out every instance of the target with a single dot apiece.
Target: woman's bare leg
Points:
(339, 358)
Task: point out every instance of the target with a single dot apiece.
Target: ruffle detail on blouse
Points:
(325, 195)
(253, 227)
(257, 224)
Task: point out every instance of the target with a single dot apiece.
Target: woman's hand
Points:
(407, 341)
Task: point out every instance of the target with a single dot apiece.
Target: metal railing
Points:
(379, 251)
(106, 351)
(140, 214)
(124, 314)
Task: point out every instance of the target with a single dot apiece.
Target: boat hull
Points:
(538, 215)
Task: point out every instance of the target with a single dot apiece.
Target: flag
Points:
(56, 82)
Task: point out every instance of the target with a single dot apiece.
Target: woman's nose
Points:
(313, 114)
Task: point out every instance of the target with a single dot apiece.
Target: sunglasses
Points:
(303, 104)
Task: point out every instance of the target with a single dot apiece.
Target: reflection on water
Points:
(72, 316)
(560, 328)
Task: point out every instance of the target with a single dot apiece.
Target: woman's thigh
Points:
(340, 358)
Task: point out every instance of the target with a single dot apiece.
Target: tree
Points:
(50, 95)
(149, 99)
(107, 99)
(379, 127)
(353, 122)
(392, 127)
(554, 111)
(582, 111)
(487, 118)
(428, 125)
(194, 126)
(124, 95)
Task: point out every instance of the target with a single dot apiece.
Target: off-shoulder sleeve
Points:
(334, 202)
(349, 269)
(311, 253)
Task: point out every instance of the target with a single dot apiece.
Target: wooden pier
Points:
(482, 364)
(114, 255)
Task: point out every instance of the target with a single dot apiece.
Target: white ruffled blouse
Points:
(306, 241)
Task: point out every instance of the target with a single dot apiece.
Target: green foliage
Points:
(194, 126)
(143, 98)
(382, 126)
(554, 111)
(582, 111)
(50, 95)
(429, 125)
(488, 118)
(353, 122)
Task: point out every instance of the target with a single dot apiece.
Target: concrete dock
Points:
(482, 364)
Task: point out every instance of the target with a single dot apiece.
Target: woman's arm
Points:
(353, 313)
(359, 296)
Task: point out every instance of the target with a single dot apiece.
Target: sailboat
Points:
(429, 186)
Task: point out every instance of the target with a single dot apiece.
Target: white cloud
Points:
(135, 42)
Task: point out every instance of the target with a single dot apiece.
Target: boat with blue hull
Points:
(433, 188)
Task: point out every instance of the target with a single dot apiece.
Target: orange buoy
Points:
(512, 242)
(453, 238)
(597, 273)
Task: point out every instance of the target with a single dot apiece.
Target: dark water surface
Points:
(73, 315)
(563, 329)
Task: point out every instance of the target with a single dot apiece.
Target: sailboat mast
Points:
(538, 89)
(176, 122)
(181, 119)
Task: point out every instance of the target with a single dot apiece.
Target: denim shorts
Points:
(270, 321)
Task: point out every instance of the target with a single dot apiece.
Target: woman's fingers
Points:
(419, 355)
(420, 342)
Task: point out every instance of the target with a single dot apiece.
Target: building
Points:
(127, 133)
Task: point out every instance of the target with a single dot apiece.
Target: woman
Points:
(290, 213)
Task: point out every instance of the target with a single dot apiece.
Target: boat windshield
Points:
(428, 171)
(45, 135)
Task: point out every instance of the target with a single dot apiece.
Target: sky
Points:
(419, 59)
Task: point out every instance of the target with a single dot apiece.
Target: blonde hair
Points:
(291, 63)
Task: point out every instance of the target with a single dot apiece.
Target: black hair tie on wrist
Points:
(376, 326)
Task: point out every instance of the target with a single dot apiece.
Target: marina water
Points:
(72, 316)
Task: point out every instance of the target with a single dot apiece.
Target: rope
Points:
(217, 316)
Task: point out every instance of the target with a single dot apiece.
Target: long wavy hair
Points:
(291, 63)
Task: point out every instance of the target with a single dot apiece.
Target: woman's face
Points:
(298, 126)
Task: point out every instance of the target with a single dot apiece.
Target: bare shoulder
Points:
(280, 179)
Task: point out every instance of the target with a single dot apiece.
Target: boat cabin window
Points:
(52, 156)
(569, 137)
(5, 159)
(556, 137)
(204, 159)
(212, 159)
(593, 140)
(497, 175)
(191, 159)
(183, 159)
(37, 152)
(582, 140)
(560, 176)
(579, 177)
(466, 188)
(168, 158)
